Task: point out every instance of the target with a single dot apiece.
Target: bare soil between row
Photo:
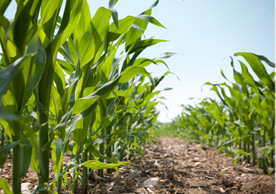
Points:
(177, 167)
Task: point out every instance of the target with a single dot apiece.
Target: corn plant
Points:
(73, 84)
(242, 122)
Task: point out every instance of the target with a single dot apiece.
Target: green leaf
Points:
(151, 20)
(262, 58)
(141, 45)
(131, 72)
(49, 14)
(84, 21)
(24, 14)
(55, 103)
(94, 164)
(5, 186)
(92, 149)
(59, 79)
(112, 3)
(115, 17)
(5, 150)
(27, 150)
(123, 26)
(39, 60)
(248, 78)
(258, 69)
(67, 67)
(93, 40)
(84, 103)
(57, 155)
(167, 55)
(153, 5)
(3, 6)
(7, 115)
(105, 89)
(135, 33)
(70, 19)
(7, 74)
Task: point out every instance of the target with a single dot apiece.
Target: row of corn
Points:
(241, 120)
(73, 84)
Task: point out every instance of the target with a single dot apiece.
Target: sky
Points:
(203, 33)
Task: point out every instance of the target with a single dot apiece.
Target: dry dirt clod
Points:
(25, 188)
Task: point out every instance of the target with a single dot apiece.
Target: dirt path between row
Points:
(181, 167)
(172, 166)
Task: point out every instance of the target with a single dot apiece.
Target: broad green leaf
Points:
(36, 158)
(5, 186)
(141, 45)
(131, 72)
(7, 127)
(263, 58)
(55, 103)
(67, 67)
(64, 120)
(7, 115)
(151, 20)
(57, 155)
(49, 14)
(11, 49)
(84, 103)
(5, 150)
(27, 150)
(112, 3)
(71, 127)
(70, 19)
(3, 6)
(105, 89)
(59, 79)
(4, 25)
(123, 26)
(7, 74)
(66, 169)
(94, 164)
(93, 40)
(258, 69)
(135, 33)
(73, 51)
(38, 63)
(107, 66)
(115, 17)
(23, 16)
(43, 187)
(152, 6)
(248, 78)
(84, 22)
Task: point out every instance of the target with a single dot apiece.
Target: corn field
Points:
(73, 84)
(241, 121)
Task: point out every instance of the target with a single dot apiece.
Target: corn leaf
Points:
(94, 164)
(131, 71)
(4, 5)
(7, 74)
(258, 69)
(5, 150)
(5, 186)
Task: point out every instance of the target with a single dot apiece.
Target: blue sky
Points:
(204, 33)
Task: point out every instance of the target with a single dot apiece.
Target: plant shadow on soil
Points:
(179, 167)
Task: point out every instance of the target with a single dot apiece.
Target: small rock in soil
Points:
(151, 182)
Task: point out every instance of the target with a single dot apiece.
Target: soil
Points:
(174, 166)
